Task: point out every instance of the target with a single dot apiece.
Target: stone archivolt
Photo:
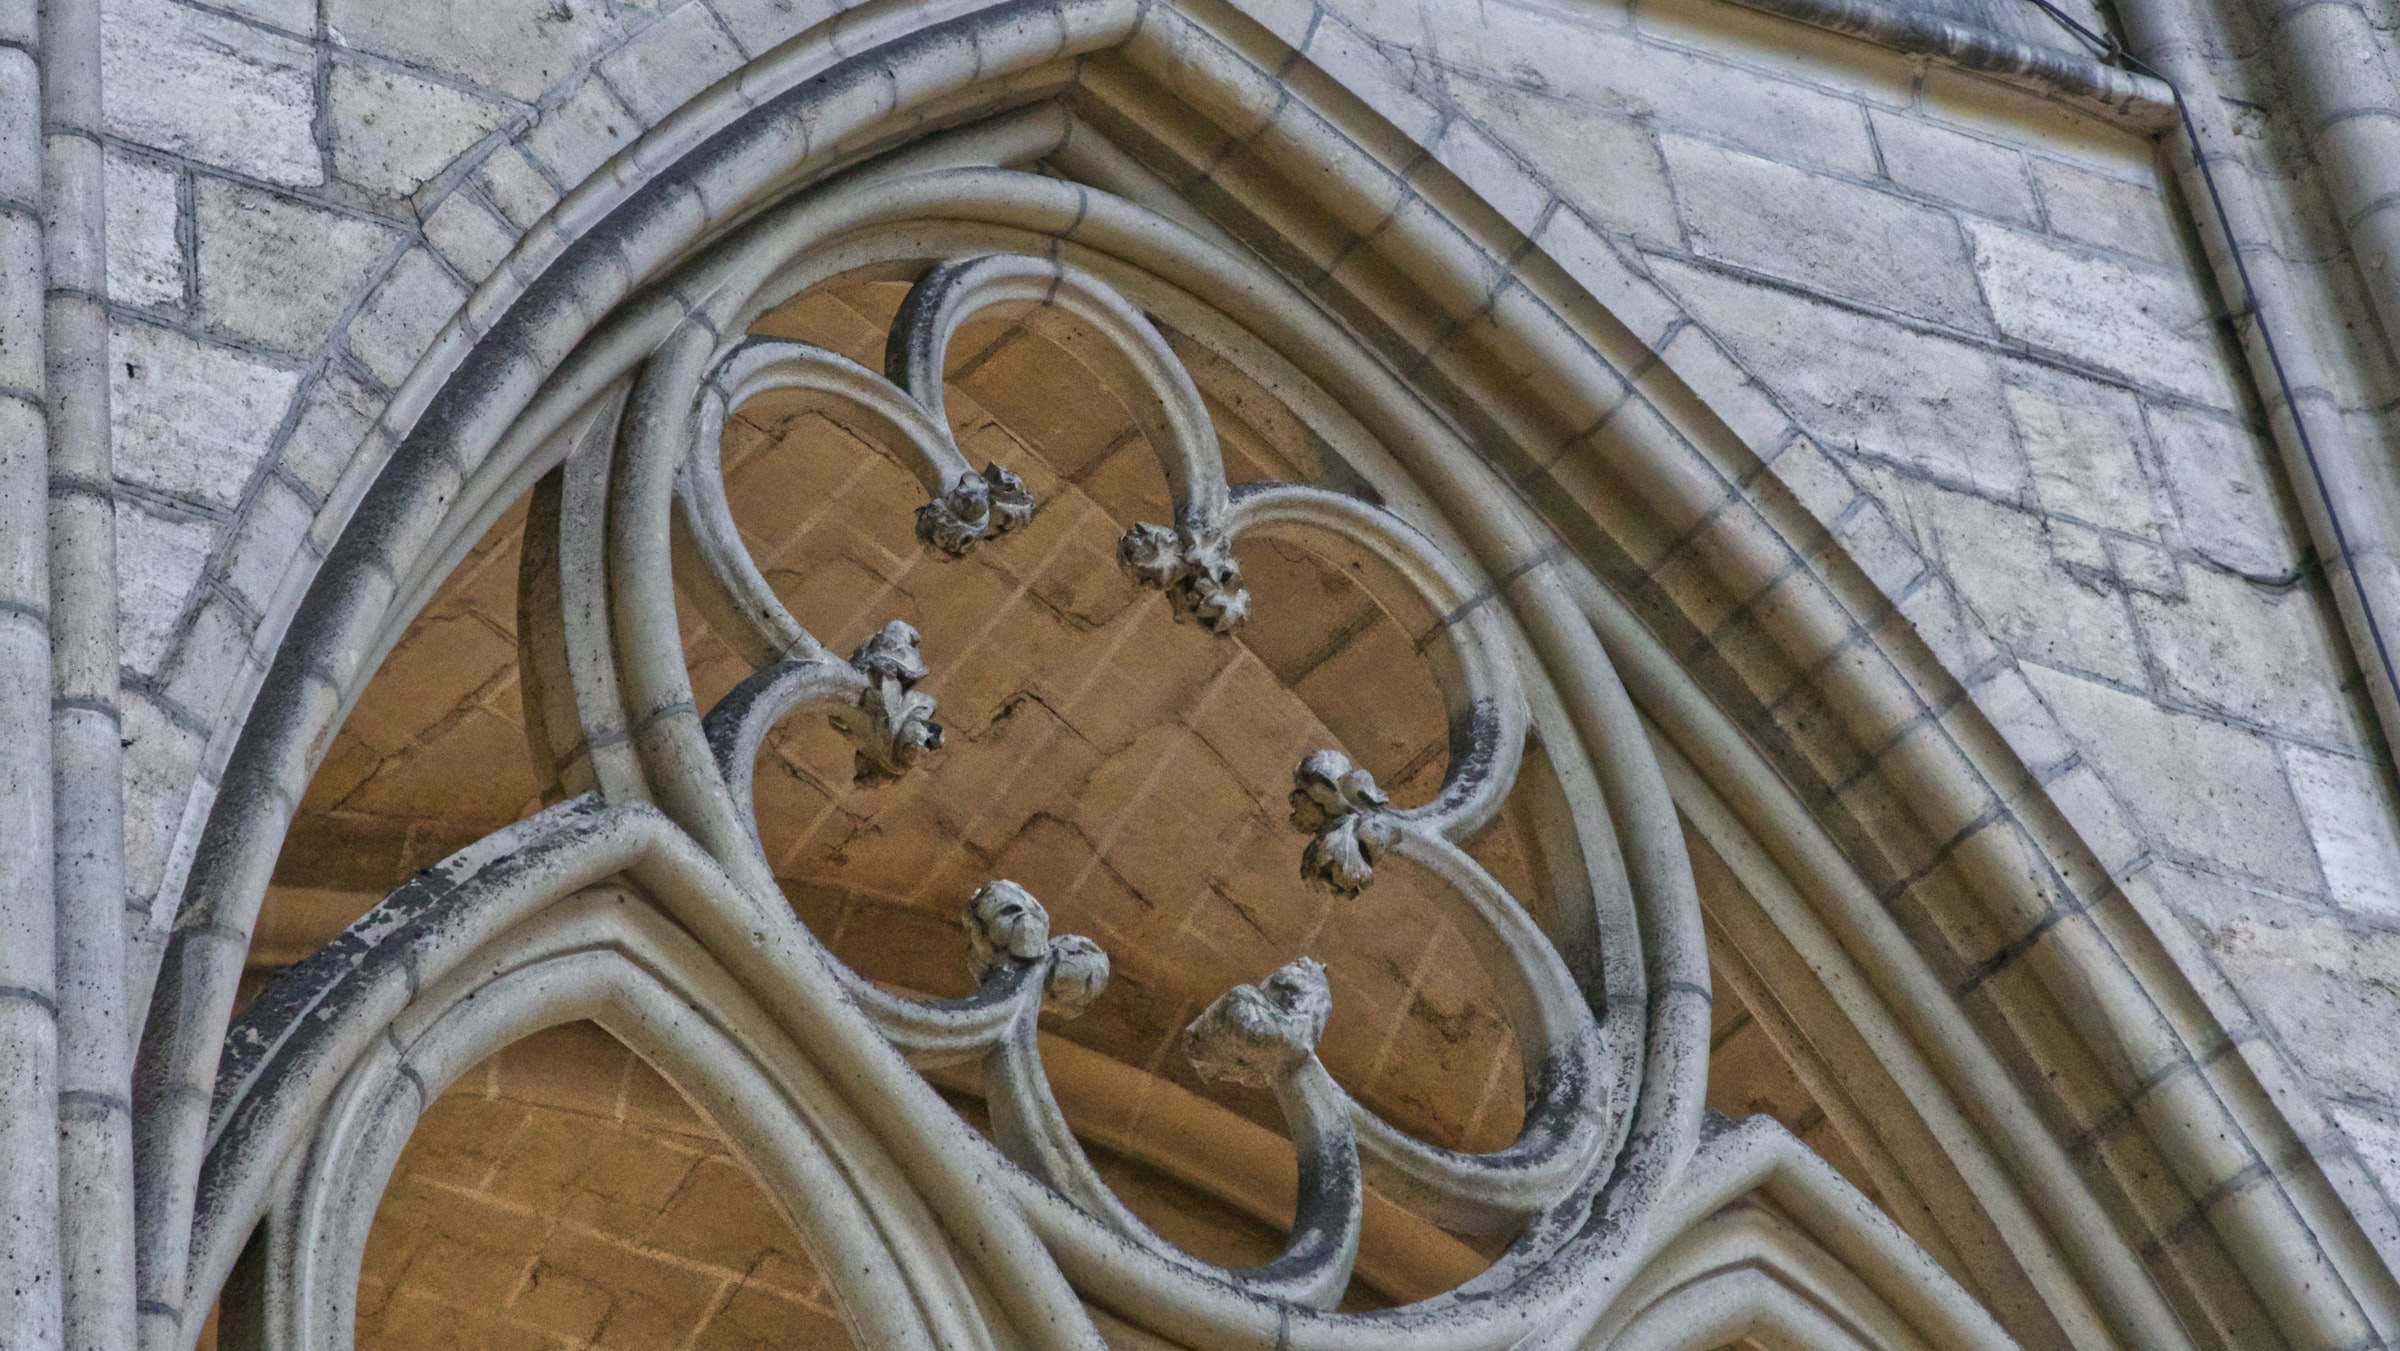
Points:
(644, 901)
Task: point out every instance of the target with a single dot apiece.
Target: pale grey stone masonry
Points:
(1972, 325)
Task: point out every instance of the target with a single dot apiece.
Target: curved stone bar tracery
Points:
(327, 1071)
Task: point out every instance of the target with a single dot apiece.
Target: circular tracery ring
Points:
(1568, 1121)
(641, 486)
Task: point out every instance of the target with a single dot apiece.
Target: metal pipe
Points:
(2344, 495)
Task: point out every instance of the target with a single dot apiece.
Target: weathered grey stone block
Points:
(2265, 656)
(2319, 976)
(578, 136)
(516, 47)
(159, 560)
(208, 662)
(145, 253)
(1396, 93)
(2244, 820)
(2085, 446)
(2151, 327)
(1917, 401)
(2234, 509)
(402, 316)
(335, 416)
(760, 25)
(2092, 208)
(160, 758)
(1616, 72)
(2375, 1134)
(469, 234)
(516, 186)
(1632, 299)
(392, 131)
(206, 86)
(2349, 806)
(269, 541)
(192, 419)
(670, 61)
(1492, 172)
(297, 17)
(1953, 167)
(2041, 586)
(278, 271)
(1605, 166)
(1823, 233)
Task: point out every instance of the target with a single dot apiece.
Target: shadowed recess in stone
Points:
(563, 1195)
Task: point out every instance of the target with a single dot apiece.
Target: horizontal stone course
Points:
(222, 92)
(2015, 412)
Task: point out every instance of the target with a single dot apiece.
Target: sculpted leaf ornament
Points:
(1194, 567)
(658, 860)
(893, 724)
(1339, 805)
(975, 508)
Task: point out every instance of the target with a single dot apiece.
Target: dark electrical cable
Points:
(2108, 49)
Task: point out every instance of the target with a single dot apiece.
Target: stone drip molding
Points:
(589, 364)
(2129, 99)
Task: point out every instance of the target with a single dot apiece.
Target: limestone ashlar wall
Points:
(2013, 400)
(2019, 407)
(302, 195)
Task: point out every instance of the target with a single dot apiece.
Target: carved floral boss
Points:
(1264, 1035)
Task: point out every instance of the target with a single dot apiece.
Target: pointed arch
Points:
(1496, 403)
